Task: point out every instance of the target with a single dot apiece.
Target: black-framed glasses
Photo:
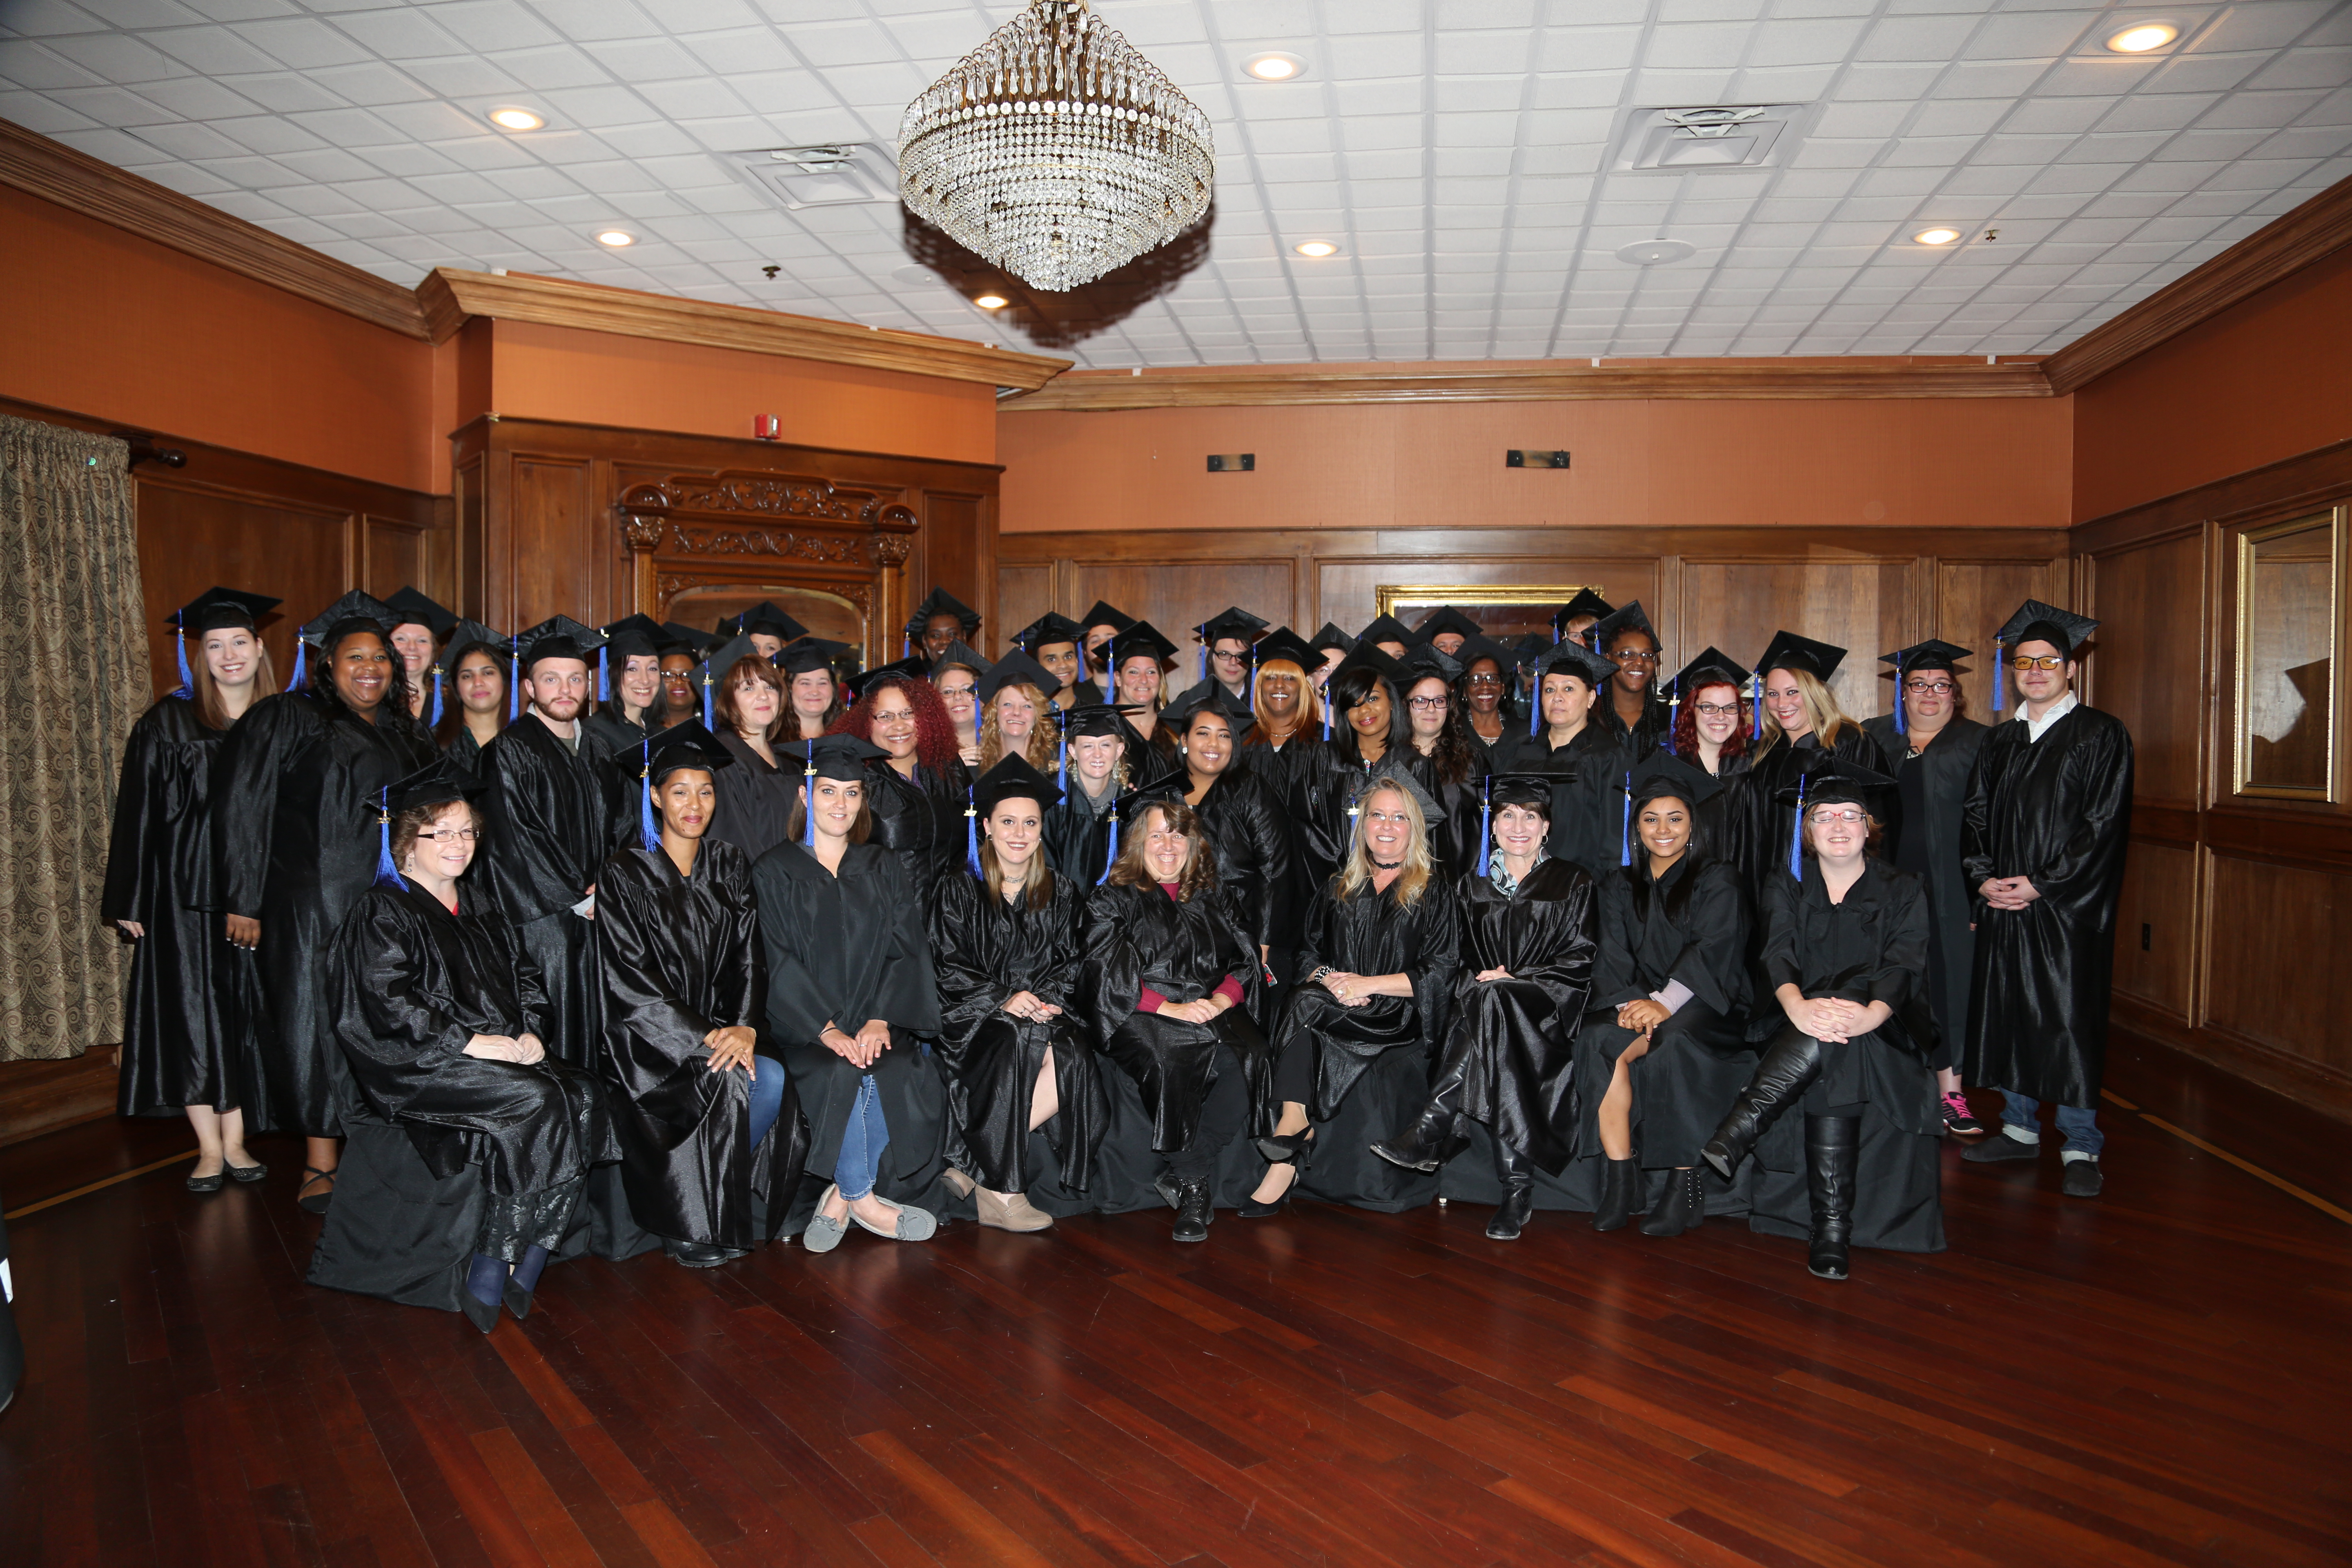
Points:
(454, 835)
(1426, 704)
(1715, 709)
(1934, 687)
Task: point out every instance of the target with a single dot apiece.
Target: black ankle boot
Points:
(1788, 1065)
(1191, 1211)
(1683, 1207)
(1830, 1144)
(1518, 1176)
(1621, 1186)
(1433, 1139)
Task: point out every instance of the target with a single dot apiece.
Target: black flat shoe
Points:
(319, 1203)
(518, 1299)
(2001, 1150)
(1512, 1214)
(211, 1184)
(483, 1315)
(698, 1254)
(252, 1172)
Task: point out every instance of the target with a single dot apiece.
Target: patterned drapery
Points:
(73, 641)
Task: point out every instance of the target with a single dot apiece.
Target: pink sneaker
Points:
(1958, 1119)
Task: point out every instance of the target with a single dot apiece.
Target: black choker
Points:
(1386, 865)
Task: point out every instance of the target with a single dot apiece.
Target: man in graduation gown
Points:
(2043, 839)
(553, 806)
(943, 618)
(1053, 641)
(1228, 636)
(1101, 623)
(1447, 629)
(1934, 748)
(768, 628)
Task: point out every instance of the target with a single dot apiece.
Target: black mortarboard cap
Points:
(1586, 603)
(1012, 779)
(1368, 655)
(1447, 618)
(685, 745)
(1168, 786)
(1630, 615)
(1663, 773)
(1392, 771)
(1530, 783)
(1933, 654)
(1013, 668)
(914, 666)
(353, 606)
(1421, 662)
(1330, 637)
(1285, 644)
(1206, 694)
(1083, 718)
(939, 601)
(2038, 622)
(1715, 662)
(1473, 650)
(809, 654)
(413, 608)
(960, 652)
(1142, 637)
(1387, 628)
(1233, 621)
(438, 783)
(1049, 627)
(218, 607)
(694, 640)
(1105, 615)
(633, 635)
(726, 654)
(558, 636)
(1575, 658)
(1835, 779)
(765, 617)
(843, 756)
(1786, 650)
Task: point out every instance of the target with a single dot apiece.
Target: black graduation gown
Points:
(755, 800)
(680, 956)
(2056, 811)
(1929, 842)
(412, 983)
(616, 731)
(1324, 783)
(1371, 1063)
(986, 951)
(1250, 834)
(1723, 818)
(1514, 1040)
(1454, 837)
(1587, 807)
(846, 949)
(295, 842)
(1654, 729)
(1871, 947)
(1278, 765)
(1147, 759)
(1692, 926)
(465, 751)
(1770, 826)
(191, 1007)
(1139, 936)
(1077, 836)
(921, 820)
(553, 817)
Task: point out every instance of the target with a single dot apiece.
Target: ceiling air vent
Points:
(835, 174)
(1700, 138)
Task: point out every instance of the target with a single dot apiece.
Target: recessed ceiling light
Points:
(1316, 248)
(1275, 65)
(516, 120)
(2142, 37)
(992, 301)
(1936, 235)
(1656, 252)
(616, 237)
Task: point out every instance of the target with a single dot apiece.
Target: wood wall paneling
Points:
(1176, 596)
(558, 565)
(1972, 600)
(2160, 893)
(1025, 592)
(2272, 979)
(957, 549)
(2146, 663)
(1863, 606)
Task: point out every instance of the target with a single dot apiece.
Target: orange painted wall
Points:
(599, 378)
(1927, 463)
(2266, 379)
(108, 325)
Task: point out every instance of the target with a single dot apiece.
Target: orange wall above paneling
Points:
(1913, 463)
(118, 327)
(2267, 379)
(602, 378)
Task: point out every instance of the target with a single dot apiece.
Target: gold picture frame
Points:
(2289, 657)
(1398, 598)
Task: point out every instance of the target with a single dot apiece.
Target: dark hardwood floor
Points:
(2158, 1376)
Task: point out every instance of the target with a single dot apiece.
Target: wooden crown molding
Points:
(450, 296)
(2312, 232)
(1912, 376)
(78, 182)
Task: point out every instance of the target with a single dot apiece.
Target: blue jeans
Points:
(767, 1095)
(2078, 1125)
(862, 1143)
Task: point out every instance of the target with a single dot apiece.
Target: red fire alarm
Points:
(767, 427)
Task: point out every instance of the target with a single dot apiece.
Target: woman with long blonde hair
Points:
(1797, 719)
(1376, 961)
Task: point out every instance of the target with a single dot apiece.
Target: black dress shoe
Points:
(518, 1299)
(483, 1315)
(252, 1172)
(319, 1203)
(1170, 1190)
(2001, 1149)
(1621, 1186)
(1433, 1139)
(2082, 1179)
(211, 1184)
(1683, 1207)
(1832, 1143)
(698, 1254)
(1193, 1209)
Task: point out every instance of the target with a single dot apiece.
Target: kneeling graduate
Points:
(440, 1012)
(709, 1128)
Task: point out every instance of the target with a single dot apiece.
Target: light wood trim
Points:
(558, 302)
(1098, 391)
(78, 182)
(2286, 245)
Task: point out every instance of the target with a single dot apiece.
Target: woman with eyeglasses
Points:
(1633, 711)
(918, 784)
(1448, 767)
(1938, 743)
(957, 684)
(1841, 1113)
(1484, 693)
(1713, 732)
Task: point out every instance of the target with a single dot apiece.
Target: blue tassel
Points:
(437, 696)
(1999, 676)
(706, 696)
(971, 833)
(180, 641)
(1625, 828)
(514, 686)
(808, 804)
(1797, 838)
(386, 874)
(1535, 706)
(1112, 858)
(1323, 700)
(647, 828)
(301, 652)
(1901, 727)
(603, 686)
(1485, 817)
(907, 645)
(1203, 632)
(1062, 745)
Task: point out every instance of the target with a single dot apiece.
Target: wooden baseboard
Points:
(42, 1097)
(2307, 1083)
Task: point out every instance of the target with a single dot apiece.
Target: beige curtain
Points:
(73, 642)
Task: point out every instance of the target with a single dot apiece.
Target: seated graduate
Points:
(1367, 692)
(677, 939)
(1008, 942)
(1665, 1052)
(1015, 697)
(1589, 763)
(1169, 977)
(850, 991)
(1082, 825)
(1519, 989)
(956, 676)
(1247, 826)
(916, 785)
(1376, 960)
(478, 661)
(1845, 950)
(439, 1012)
(628, 683)
(1442, 759)
(1285, 708)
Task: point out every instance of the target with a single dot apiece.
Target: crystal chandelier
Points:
(1056, 151)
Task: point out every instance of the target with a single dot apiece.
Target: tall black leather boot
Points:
(1683, 1207)
(1788, 1065)
(1439, 1132)
(1831, 1145)
(1621, 1188)
(1518, 1177)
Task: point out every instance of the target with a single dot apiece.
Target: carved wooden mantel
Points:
(753, 527)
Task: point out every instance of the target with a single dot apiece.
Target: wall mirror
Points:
(2288, 652)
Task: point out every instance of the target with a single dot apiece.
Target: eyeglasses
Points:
(1224, 655)
(959, 690)
(1635, 656)
(1484, 681)
(1426, 704)
(453, 835)
(1938, 687)
(1715, 709)
(2028, 661)
(1823, 818)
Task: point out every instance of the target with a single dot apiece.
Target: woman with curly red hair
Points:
(1715, 733)
(919, 783)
